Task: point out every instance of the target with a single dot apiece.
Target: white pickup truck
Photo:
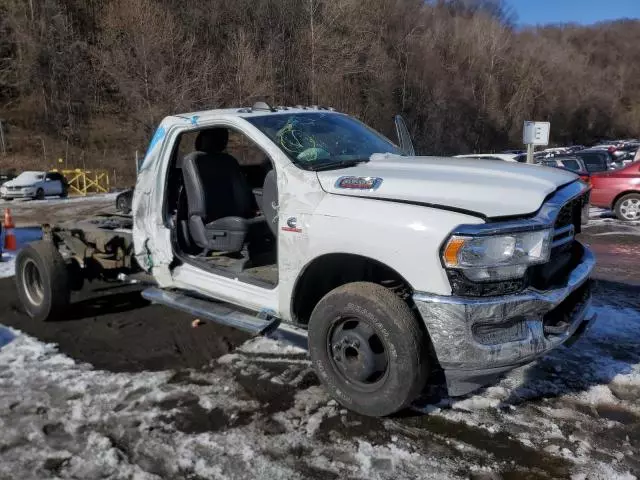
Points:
(305, 222)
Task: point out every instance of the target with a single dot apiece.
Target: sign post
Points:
(535, 133)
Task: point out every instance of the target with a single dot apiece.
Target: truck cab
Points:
(391, 266)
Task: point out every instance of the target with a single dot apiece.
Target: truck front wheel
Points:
(368, 349)
(42, 281)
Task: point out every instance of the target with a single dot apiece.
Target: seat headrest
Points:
(212, 141)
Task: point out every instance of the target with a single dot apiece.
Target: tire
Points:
(42, 281)
(8, 199)
(39, 194)
(122, 205)
(368, 349)
(627, 208)
(65, 193)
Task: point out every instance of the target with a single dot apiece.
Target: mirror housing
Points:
(404, 137)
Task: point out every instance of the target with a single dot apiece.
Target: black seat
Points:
(267, 196)
(219, 199)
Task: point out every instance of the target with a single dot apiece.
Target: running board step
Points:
(213, 311)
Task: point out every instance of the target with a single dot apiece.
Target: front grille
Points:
(461, 285)
(571, 213)
(565, 255)
(565, 216)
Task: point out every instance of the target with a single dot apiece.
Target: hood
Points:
(490, 188)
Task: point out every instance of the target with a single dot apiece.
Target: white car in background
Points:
(35, 185)
(507, 157)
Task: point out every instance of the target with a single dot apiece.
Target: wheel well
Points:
(330, 271)
(620, 195)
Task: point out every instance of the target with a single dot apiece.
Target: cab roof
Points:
(257, 110)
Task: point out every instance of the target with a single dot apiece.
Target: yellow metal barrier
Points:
(82, 182)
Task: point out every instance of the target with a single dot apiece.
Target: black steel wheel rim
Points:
(358, 353)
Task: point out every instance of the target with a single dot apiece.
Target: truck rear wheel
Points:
(42, 281)
(368, 349)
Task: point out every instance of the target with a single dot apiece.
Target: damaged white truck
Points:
(306, 221)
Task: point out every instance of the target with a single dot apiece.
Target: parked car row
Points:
(618, 190)
(612, 170)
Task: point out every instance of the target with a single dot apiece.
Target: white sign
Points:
(536, 133)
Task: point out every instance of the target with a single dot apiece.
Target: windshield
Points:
(321, 139)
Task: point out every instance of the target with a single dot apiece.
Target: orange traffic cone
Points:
(9, 234)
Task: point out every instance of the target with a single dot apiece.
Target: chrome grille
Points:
(563, 235)
(568, 221)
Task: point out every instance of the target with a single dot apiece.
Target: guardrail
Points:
(82, 182)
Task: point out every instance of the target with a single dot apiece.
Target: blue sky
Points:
(532, 12)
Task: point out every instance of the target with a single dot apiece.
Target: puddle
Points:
(6, 336)
(617, 414)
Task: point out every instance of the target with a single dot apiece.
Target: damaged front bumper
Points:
(477, 339)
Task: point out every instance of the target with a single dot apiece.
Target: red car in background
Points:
(618, 190)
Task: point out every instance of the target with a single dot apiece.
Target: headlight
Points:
(497, 257)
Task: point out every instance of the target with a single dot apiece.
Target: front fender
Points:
(405, 238)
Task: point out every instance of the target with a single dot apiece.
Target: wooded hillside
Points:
(89, 79)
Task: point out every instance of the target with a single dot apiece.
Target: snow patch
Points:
(7, 265)
(264, 345)
(64, 419)
(6, 335)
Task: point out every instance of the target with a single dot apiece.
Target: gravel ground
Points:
(54, 210)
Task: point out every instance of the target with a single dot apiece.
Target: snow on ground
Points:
(61, 419)
(599, 217)
(570, 402)
(260, 413)
(7, 265)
